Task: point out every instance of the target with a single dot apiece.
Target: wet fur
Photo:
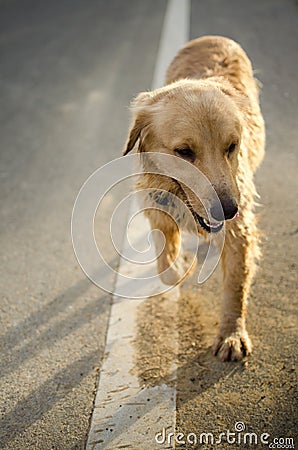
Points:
(210, 96)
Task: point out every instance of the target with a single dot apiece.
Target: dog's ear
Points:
(141, 119)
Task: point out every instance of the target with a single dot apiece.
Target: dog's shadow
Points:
(196, 369)
(195, 327)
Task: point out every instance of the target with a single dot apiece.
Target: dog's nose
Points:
(227, 210)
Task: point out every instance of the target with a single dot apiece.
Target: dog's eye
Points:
(231, 148)
(185, 153)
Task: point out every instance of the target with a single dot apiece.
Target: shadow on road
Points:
(41, 331)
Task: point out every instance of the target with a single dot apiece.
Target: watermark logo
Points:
(108, 222)
(237, 436)
(239, 426)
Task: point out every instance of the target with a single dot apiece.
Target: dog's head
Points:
(199, 121)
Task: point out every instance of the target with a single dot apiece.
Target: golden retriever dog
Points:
(208, 114)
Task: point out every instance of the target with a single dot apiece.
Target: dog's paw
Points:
(182, 268)
(232, 348)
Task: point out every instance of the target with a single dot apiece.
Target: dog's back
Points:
(213, 56)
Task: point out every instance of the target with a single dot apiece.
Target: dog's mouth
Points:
(213, 226)
(210, 227)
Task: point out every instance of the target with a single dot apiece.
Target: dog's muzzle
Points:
(210, 227)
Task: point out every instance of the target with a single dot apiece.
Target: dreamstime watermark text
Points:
(239, 435)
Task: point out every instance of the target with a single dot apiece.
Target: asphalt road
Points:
(68, 72)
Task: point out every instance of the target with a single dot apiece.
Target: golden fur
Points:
(209, 108)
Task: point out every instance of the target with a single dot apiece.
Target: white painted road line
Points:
(174, 35)
(126, 414)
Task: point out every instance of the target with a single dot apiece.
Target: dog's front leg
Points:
(172, 265)
(238, 266)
